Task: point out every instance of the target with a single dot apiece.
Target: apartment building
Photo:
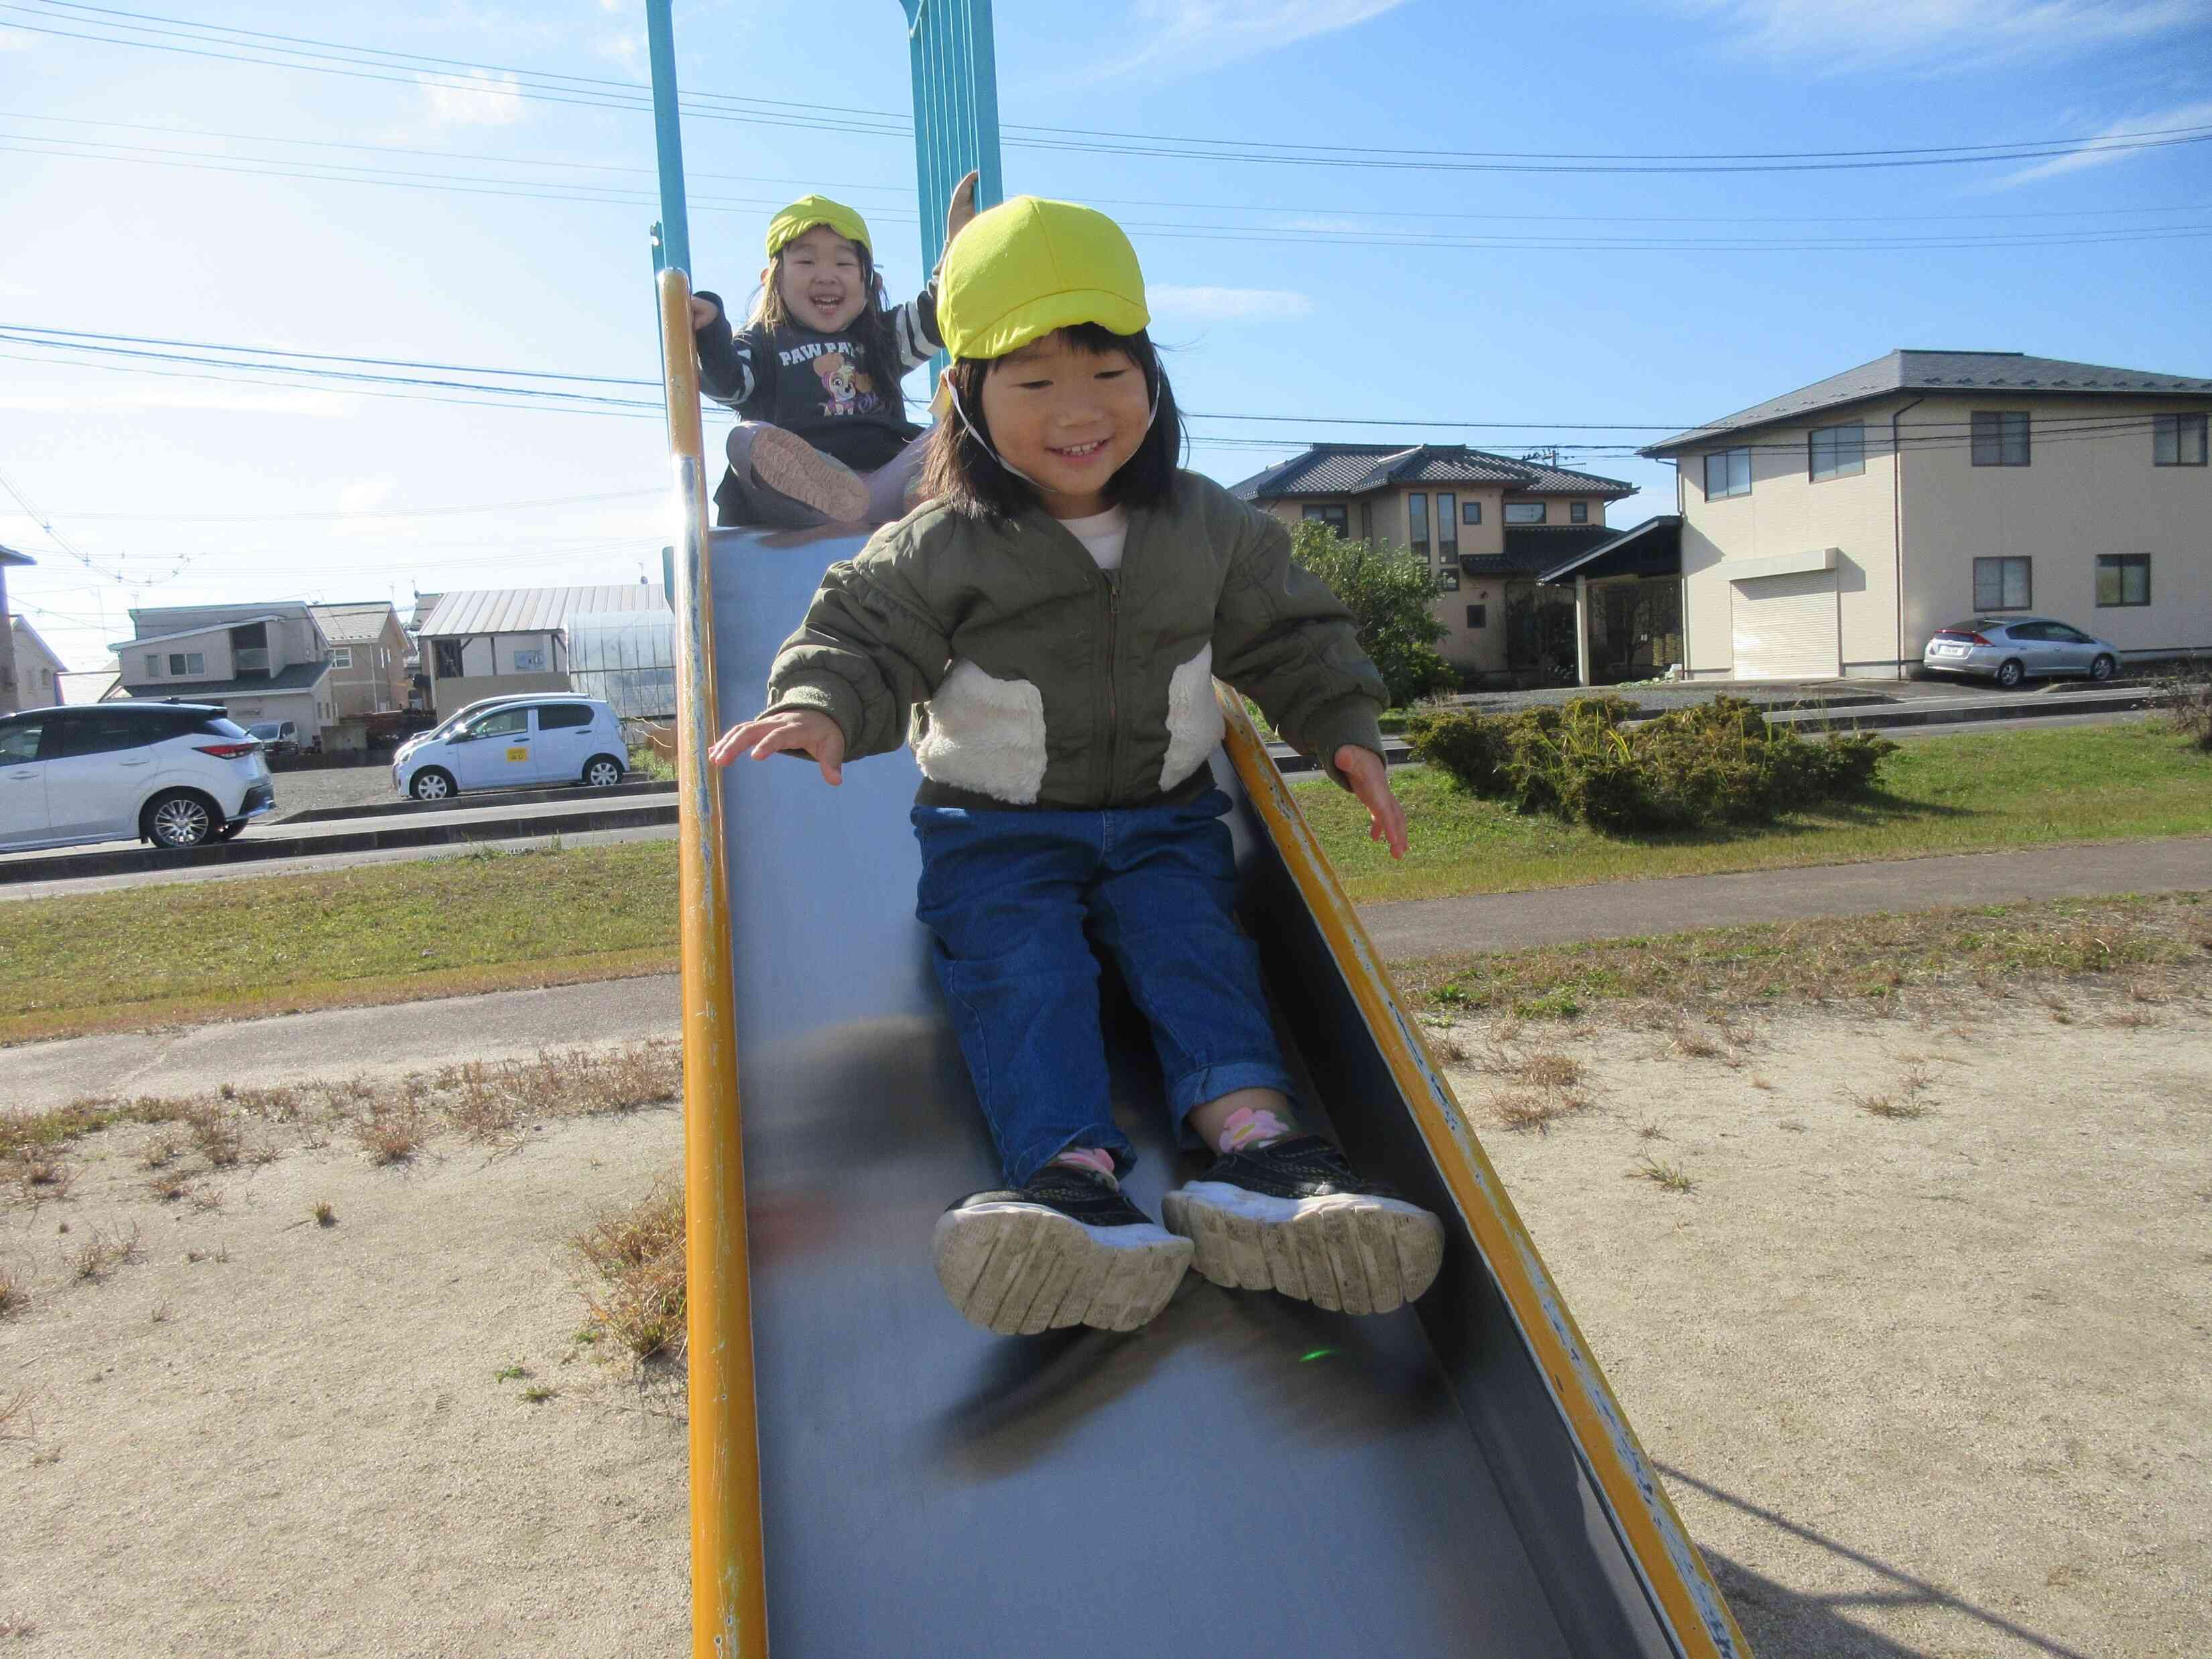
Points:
(1831, 530)
(1489, 526)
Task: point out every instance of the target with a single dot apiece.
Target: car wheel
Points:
(432, 783)
(178, 820)
(229, 831)
(602, 772)
(2010, 673)
(2102, 668)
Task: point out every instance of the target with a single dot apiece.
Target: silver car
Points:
(2008, 649)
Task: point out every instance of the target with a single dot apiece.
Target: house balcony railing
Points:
(254, 660)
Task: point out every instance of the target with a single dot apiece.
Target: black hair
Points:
(959, 468)
(879, 355)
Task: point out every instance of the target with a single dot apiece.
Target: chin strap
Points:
(976, 432)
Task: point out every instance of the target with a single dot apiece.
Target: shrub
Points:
(2188, 693)
(1717, 762)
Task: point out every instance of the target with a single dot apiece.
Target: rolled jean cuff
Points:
(1194, 1089)
(1125, 1155)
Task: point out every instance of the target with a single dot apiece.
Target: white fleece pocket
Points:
(985, 734)
(1195, 723)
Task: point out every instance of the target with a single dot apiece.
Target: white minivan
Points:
(543, 740)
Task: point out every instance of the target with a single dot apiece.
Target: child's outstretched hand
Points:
(703, 312)
(961, 208)
(802, 730)
(1364, 770)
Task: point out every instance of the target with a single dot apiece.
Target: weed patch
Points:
(1667, 1178)
(636, 1257)
(103, 1251)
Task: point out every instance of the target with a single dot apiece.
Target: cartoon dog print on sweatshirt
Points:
(845, 389)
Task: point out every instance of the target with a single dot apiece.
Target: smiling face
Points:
(820, 276)
(1069, 418)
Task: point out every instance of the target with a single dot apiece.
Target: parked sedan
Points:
(177, 774)
(2009, 649)
(544, 739)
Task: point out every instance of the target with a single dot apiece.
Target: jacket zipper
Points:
(1112, 708)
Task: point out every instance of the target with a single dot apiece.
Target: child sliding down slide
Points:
(816, 375)
(1057, 614)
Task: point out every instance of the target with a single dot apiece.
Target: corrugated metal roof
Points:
(2013, 372)
(1355, 469)
(532, 609)
(353, 624)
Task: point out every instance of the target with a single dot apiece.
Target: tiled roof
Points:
(532, 609)
(2013, 372)
(299, 677)
(353, 624)
(1355, 469)
(1654, 547)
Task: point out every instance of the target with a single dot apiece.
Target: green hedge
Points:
(1717, 762)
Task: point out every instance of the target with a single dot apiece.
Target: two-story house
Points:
(9, 557)
(1833, 529)
(1487, 524)
(261, 662)
(39, 670)
(368, 659)
(488, 642)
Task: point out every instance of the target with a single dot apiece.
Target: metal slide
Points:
(1247, 1475)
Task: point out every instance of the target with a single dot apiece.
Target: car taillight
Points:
(1977, 639)
(228, 750)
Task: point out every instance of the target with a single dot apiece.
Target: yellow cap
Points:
(808, 211)
(1030, 266)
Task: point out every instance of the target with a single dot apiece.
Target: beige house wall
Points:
(38, 672)
(372, 684)
(452, 695)
(1787, 512)
(2079, 495)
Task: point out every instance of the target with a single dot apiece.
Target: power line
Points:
(366, 63)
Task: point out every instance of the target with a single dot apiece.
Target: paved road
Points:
(412, 1036)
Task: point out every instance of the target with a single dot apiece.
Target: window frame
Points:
(1992, 433)
(1470, 513)
(1727, 458)
(1577, 511)
(1541, 509)
(1332, 513)
(185, 665)
(341, 656)
(2166, 433)
(2003, 561)
(442, 651)
(1838, 467)
(2119, 564)
(1447, 579)
(1447, 522)
(153, 664)
(1417, 522)
(1478, 616)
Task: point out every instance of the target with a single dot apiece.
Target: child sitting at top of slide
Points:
(815, 374)
(1058, 613)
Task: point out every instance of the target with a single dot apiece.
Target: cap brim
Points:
(1033, 320)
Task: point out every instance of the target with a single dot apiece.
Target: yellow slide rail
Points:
(729, 1595)
(1671, 1568)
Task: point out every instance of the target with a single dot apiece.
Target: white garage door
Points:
(1785, 626)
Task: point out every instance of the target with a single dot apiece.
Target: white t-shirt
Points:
(1104, 533)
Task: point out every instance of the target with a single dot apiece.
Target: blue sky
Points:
(1338, 292)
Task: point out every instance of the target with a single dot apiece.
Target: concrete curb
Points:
(462, 803)
(249, 850)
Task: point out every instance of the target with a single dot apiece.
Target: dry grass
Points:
(15, 1292)
(1907, 1100)
(1536, 1090)
(1667, 1178)
(322, 1214)
(106, 1249)
(392, 1133)
(636, 1257)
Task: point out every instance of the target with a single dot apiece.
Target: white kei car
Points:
(542, 740)
(179, 775)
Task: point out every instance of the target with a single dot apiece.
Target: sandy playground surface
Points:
(1934, 1385)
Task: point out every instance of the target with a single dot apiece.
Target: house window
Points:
(153, 666)
(1837, 452)
(1447, 581)
(2000, 438)
(1446, 525)
(2123, 579)
(1470, 513)
(1524, 512)
(1417, 517)
(2177, 439)
(1478, 616)
(1728, 472)
(1330, 513)
(341, 656)
(1579, 512)
(447, 655)
(186, 662)
(2003, 584)
(1367, 522)
(530, 662)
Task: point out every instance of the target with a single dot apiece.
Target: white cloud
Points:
(1189, 35)
(627, 49)
(15, 40)
(2103, 150)
(481, 100)
(1228, 305)
(1858, 33)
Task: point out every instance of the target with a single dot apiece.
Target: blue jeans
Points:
(1008, 895)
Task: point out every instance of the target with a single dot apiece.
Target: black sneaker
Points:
(1292, 1217)
(1069, 1248)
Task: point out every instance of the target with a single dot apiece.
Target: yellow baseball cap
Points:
(808, 211)
(1030, 266)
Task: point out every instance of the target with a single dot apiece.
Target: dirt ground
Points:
(1933, 1385)
(368, 785)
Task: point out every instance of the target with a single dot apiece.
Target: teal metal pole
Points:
(956, 111)
(668, 137)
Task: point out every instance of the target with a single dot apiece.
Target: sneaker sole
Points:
(1346, 1252)
(791, 466)
(1020, 1269)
